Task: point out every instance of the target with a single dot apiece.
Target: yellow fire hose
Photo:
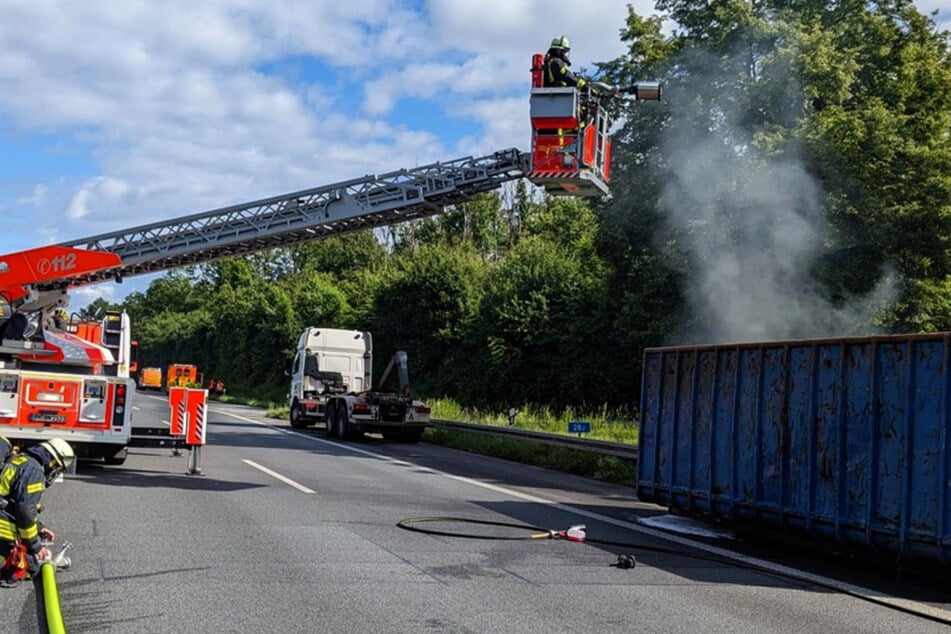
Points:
(47, 601)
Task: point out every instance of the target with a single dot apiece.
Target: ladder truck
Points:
(55, 382)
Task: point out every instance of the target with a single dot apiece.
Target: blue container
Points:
(844, 440)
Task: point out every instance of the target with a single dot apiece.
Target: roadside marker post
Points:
(196, 404)
(178, 416)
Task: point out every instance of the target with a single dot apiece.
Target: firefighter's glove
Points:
(43, 554)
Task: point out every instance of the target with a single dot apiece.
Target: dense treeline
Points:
(795, 182)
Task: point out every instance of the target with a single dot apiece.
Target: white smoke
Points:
(753, 229)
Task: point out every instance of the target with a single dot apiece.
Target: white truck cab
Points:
(331, 383)
(331, 360)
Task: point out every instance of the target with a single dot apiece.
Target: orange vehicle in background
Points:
(180, 375)
(150, 379)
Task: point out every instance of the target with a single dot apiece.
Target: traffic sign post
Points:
(196, 400)
(178, 415)
(579, 427)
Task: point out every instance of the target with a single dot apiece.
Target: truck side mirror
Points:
(288, 366)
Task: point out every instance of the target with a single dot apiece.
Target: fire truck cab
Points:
(64, 380)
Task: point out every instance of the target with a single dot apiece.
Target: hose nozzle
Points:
(60, 560)
(576, 533)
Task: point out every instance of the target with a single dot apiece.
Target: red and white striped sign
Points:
(196, 401)
(176, 401)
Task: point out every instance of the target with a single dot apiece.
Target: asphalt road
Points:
(286, 531)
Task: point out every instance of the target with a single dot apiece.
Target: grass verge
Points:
(605, 425)
(583, 463)
(609, 425)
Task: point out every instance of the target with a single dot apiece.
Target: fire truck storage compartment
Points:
(841, 441)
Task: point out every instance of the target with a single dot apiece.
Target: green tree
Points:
(340, 256)
(424, 306)
(533, 340)
(174, 337)
(97, 309)
(878, 80)
(482, 224)
(253, 332)
(317, 300)
(176, 292)
(836, 112)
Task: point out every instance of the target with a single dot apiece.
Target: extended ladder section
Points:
(372, 201)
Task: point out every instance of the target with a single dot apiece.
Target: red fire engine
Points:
(64, 378)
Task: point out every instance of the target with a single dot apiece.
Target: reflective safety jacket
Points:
(22, 482)
(558, 74)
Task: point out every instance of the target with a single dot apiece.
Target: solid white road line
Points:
(274, 474)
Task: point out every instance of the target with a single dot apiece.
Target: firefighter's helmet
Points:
(561, 47)
(561, 43)
(62, 459)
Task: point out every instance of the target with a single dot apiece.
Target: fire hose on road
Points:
(578, 534)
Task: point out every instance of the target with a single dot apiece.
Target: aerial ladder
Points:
(55, 382)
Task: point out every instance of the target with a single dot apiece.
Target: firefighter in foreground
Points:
(24, 478)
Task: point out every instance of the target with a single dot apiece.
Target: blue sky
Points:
(114, 114)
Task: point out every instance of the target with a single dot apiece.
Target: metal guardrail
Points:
(620, 450)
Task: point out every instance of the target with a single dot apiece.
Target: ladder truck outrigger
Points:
(58, 379)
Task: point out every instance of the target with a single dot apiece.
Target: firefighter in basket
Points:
(22, 481)
(558, 73)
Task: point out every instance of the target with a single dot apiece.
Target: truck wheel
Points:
(343, 424)
(116, 459)
(297, 421)
(330, 423)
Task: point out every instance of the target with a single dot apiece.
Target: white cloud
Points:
(37, 197)
(517, 29)
(101, 188)
(504, 122)
(84, 296)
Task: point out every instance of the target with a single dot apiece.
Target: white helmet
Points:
(64, 459)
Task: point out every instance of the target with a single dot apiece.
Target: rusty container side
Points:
(841, 440)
